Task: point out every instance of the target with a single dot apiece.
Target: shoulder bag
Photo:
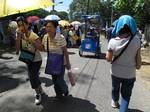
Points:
(55, 62)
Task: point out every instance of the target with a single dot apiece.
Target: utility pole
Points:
(88, 3)
(87, 12)
(53, 7)
(112, 13)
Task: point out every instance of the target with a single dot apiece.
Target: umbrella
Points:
(32, 19)
(64, 23)
(52, 17)
(10, 7)
(74, 23)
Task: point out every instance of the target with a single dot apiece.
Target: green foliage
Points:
(39, 12)
(63, 15)
(77, 8)
(125, 6)
(43, 13)
(81, 7)
(139, 9)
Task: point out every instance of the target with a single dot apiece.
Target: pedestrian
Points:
(29, 41)
(125, 49)
(109, 32)
(57, 45)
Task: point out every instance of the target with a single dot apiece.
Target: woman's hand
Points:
(68, 66)
(38, 45)
(109, 56)
(19, 34)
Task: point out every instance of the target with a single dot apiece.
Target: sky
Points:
(61, 7)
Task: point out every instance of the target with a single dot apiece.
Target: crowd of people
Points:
(123, 53)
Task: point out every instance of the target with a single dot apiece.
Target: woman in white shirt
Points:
(123, 69)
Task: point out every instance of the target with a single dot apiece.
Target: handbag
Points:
(54, 65)
(26, 56)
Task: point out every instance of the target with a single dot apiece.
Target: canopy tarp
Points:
(10, 7)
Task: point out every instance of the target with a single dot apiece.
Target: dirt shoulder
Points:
(144, 72)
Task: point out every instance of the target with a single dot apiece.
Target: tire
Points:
(80, 53)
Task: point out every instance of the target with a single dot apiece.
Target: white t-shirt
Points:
(124, 66)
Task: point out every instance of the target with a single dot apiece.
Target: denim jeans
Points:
(60, 85)
(33, 73)
(124, 86)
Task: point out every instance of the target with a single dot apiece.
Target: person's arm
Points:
(38, 45)
(18, 40)
(138, 59)
(109, 53)
(68, 65)
(109, 56)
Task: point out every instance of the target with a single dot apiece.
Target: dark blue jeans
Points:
(60, 85)
(124, 86)
(33, 73)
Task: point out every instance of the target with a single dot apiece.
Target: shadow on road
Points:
(8, 83)
(6, 49)
(5, 68)
(71, 53)
(48, 82)
(68, 104)
(145, 63)
(134, 110)
(84, 79)
(101, 56)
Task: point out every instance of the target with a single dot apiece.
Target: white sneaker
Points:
(38, 99)
(114, 104)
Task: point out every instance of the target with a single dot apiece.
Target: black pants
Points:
(33, 72)
(60, 85)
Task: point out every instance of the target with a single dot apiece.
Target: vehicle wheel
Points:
(80, 53)
(96, 55)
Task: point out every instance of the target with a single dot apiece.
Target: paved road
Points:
(92, 92)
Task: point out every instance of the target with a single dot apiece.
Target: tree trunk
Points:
(147, 33)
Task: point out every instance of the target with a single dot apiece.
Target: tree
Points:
(63, 15)
(77, 8)
(110, 10)
(39, 12)
(139, 9)
(125, 6)
(102, 7)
